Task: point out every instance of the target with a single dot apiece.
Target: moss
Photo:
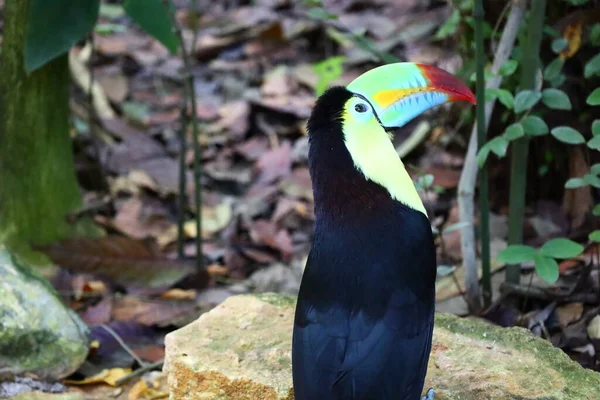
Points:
(37, 173)
(278, 300)
(521, 339)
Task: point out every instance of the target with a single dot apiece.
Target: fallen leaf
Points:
(151, 353)
(593, 328)
(98, 314)
(140, 218)
(274, 164)
(115, 85)
(298, 184)
(577, 202)
(569, 313)
(123, 260)
(108, 376)
(214, 219)
(266, 232)
(153, 312)
(572, 34)
(179, 294)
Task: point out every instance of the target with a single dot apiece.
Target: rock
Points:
(241, 351)
(38, 333)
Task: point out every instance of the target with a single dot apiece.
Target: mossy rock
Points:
(38, 333)
(241, 350)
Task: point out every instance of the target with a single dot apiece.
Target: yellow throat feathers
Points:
(375, 156)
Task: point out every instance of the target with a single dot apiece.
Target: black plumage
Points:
(365, 311)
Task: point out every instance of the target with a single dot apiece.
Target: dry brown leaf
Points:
(274, 164)
(126, 261)
(98, 314)
(569, 313)
(577, 202)
(151, 353)
(179, 294)
(266, 232)
(108, 376)
(572, 34)
(153, 312)
(115, 85)
(298, 184)
(141, 219)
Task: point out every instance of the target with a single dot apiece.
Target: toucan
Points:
(365, 311)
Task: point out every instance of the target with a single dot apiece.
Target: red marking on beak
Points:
(447, 83)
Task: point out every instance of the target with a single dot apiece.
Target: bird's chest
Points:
(366, 260)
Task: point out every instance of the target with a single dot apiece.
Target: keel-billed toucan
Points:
(364, 317)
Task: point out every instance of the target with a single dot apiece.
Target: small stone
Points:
(241, 350)
(38, 333)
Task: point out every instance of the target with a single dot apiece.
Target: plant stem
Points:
(468, 176)
(484, 207)
(190, 93)
(181, 198)
(518, 167)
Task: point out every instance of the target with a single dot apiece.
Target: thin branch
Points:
(468, 178)
(140, 371)
(123, 344)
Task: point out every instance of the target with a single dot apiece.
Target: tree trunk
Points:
(38, 186)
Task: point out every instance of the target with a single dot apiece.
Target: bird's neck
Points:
(341, 191)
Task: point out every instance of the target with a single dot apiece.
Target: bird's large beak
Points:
(401, 91)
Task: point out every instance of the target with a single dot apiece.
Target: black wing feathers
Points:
(365, 312)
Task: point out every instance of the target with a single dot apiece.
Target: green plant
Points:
(529, 123)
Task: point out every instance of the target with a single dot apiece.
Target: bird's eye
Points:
(360, 107)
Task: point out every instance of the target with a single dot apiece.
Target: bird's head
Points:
(373, 104)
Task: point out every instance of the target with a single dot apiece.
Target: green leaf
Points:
(328, 71)
(594, 98)
(516, 254)
(592, 67)
(486, 76)
(595, 169)
(594, 143)
(595, 235)
(107, 29)
(559, 45)
(504, 96)
(546, 268)
(497, 145)
(508, 68)
(111, 11)
(595, 34)
(534, 126)
(556, 99)
(526, 99)
(449, 27)
(596, 127)
(54, 26)
(592, 180)
(482, 155)
(552, 70)
(155, 19)
(319, 14)
(561, 248)
(514, 131)
(560, 79)
(575, 183)
(596, 210)
(566, 134)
